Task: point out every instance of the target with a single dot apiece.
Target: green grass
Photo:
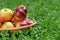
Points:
(45, 12)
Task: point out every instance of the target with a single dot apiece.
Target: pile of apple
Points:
(16, 18)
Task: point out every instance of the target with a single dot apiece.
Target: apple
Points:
(24, 23)
(7, 25)
(5, 14)
(20, 13)
(14, 21)
(0, 25)
(28, 21)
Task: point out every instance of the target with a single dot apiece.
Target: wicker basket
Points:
(17, 28)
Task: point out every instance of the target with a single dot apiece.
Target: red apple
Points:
(24, 23)
(28, 21)
(14, 21)
(0, 25)
(5, 15)
(20, 13)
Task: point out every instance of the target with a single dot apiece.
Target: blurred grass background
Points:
(45, 12)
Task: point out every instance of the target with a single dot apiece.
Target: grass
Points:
(45, 12)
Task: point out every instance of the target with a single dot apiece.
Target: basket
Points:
(17, 28)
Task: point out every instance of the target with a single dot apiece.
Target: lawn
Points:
(45, 12)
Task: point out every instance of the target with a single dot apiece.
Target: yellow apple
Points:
(7, 25)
